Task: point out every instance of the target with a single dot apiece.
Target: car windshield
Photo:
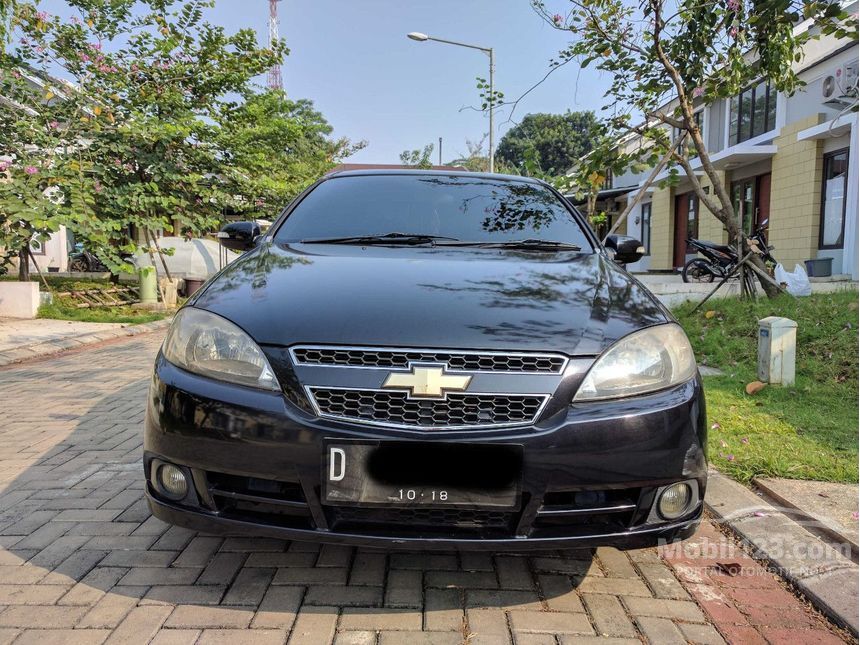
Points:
(468, 209)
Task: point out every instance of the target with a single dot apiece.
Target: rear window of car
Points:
(475, 209)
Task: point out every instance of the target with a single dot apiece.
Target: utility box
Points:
(777, 348)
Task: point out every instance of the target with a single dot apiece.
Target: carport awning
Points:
(608, 193)
(742, 155)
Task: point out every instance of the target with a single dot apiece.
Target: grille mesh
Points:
(546, 363)
(472, 410)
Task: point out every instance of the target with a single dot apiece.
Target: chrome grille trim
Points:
(456, 360)
(536, 403)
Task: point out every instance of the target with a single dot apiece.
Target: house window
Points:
(833, 189)
(698, 118)
(607, 181)
(752, 112)
(645, 236)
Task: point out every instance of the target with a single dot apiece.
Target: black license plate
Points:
(401, 474)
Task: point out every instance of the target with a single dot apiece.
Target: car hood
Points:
(433, 297)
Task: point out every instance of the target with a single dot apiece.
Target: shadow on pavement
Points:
(75, 525)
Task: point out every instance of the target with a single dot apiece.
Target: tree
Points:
(40, 130)
(679, 52)
(141, 151)
(558, 139)
(418, 158)
(273, 148)
(476, 159)
(7, 8)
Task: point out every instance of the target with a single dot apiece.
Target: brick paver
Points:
(81, 559)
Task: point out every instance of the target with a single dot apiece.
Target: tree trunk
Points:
(24, 265)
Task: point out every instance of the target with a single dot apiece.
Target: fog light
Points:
(674, 501)
(172, 481)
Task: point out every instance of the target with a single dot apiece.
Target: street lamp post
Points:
(487, 50)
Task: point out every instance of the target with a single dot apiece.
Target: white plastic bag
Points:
(796, 282)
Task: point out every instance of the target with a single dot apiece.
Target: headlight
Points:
(206, 344)
(646, 361)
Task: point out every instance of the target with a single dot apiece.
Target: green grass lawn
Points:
(65, 309)
(808, 431)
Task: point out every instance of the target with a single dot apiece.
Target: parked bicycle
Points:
(721, 259)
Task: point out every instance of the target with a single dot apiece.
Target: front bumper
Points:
(255, 463)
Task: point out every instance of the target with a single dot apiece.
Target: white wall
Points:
(55, 253)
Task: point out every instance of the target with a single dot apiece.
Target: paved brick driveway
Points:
(82, 561)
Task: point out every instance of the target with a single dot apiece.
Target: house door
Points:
(686, 224)
(762, 198)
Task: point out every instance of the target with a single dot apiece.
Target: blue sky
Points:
(352, 58)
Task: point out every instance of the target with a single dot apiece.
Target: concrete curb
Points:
(828, 579)
(38, 350)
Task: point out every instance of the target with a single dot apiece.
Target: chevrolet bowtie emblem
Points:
(426, 382)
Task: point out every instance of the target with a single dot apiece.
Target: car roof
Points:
(433, 173)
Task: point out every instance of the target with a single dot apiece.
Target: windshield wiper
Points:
(387, 238)
(528, 244)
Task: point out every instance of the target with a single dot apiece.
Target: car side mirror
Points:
(627, 249)
(239, 236)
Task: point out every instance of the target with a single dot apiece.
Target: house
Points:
(791, 160)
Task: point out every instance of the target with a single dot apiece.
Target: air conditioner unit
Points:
(839, 90)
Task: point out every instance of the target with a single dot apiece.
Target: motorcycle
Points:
(721, 259)
(81, 260)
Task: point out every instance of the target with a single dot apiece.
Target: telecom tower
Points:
(274, 81)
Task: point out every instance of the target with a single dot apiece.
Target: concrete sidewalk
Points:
(671, 290)
(818, 566)
(25, 339)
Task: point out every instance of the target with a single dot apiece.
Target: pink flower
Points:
(698, 91)
(43, 16)
(745, 440)
(730, 457)
(31, 170)
(855, 515)
(557, 19)
(54, 125)
(734, 5)
(16, 73)
(77, 21)
(4, 166)
(733, 32)
(96, 46)
(98, 186)
(84, 57)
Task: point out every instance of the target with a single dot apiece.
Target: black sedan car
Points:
(428, 359)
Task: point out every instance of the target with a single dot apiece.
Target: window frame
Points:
(734, 139)
(826, 157)
(646, 240)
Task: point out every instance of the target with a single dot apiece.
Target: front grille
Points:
(605, 510)
(465, 361)
(260, 500)
(350, 516)
(456, 410)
